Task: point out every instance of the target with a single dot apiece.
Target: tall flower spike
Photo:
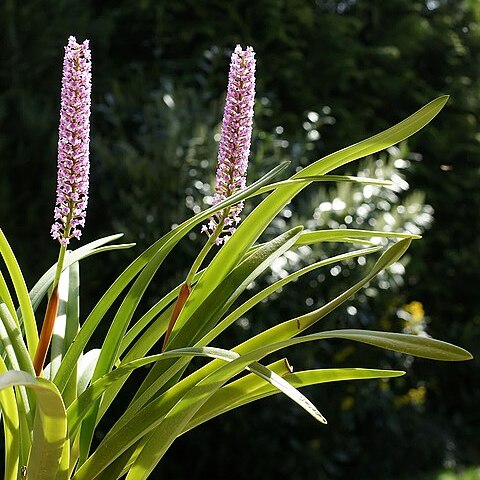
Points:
(234, 147)
(73, 143)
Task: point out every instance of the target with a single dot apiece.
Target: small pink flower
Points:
(73, 143)
(235, 139)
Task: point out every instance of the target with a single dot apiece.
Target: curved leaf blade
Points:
(252, 226)
(43, 284)
(285, 330)
(11, 429)
(166, 243)
(21, 291)
(50, 428)
(213, 306)
(250, 388)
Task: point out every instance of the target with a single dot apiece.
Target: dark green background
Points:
(372, 62)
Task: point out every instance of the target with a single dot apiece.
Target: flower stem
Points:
(203, 253)
(50, 316)
(186, 287)
(47, 330)
(58, 271)
(181, 299)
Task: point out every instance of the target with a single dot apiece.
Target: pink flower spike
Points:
(73, 143)
(234, 147)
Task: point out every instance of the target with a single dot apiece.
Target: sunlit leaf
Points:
(50, 428)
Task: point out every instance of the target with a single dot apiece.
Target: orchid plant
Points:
(50, 412)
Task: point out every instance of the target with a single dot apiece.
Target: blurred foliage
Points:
(330, 72)
(463, 474)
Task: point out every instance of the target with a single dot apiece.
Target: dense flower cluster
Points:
(73, 143)
(235, 140)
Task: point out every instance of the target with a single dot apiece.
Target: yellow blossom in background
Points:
(415, 396)
(415, 309)
(414, 319)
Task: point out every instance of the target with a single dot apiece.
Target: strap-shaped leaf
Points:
(325, 178)
(285, 330)
(169, 428)
(101, 459)
(250, 388)
(79, 408)
(217, 303)
(171, 424)
(175, 421)
(230, 290)
(86, 367)
(11, 429)
(67, 321)
(111, 345)
(6, 298)
(416, 345)
(167, 242)
(160, 375)
(252, 227)
(18, 354)
(309, 238)
(21, 291)
(122, 463)
(41, 287)
(257, 221)
(50, 428)
(266, 292)
(17, 358)
(295, 326)
(149, 338)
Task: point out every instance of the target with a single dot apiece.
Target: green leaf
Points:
(22, 294)
(295, 326)
(17, 359)
(285, 330)
(86, 367)
(67, 321)
(266, 292)
(153, 333)
(323, 178)
(101, 458)
(281, 367)
(41, 287)
(64, 467)
(50, 429)
(111, 345)
(252, 226)
(415, 345)
(218, 302)
(145, 320)
(309, 238)
(250, 388)
(149, 454)
(159, 377)
(180, 411)
(6, 298)
(178, 417)
(10, 335)
(78, 410)
(11, 429)
(166, 243)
